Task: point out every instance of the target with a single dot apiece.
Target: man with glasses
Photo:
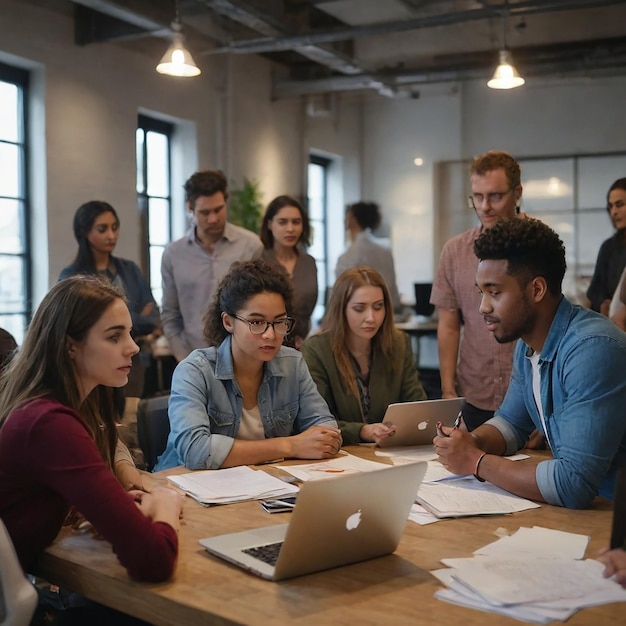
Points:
(472, 364)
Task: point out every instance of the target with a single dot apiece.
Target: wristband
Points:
(480, 458)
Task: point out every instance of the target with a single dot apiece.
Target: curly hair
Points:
(244, 280)
(530, 247)
(205, 183)
(270, 213)
(366, 214)
(335, 322)
(494, 160)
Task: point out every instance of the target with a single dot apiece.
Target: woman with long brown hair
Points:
(359, 360)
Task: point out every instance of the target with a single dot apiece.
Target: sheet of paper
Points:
(233, 484)
(421, 516)
(344, 464)
(540, 542)
(414, 453)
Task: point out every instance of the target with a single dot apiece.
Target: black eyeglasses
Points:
(282, 326)
(477, 199)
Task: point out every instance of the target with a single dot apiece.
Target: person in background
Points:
(359, 360)
(472, 364)
(58, 434)
(247, 399)
(568, 376)
(96, 229)
(8, 346)
(612, 255)
(361, 219)
(284, 230)
(193, 266)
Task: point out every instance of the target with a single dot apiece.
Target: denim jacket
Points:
(206, 405)
(583, 394)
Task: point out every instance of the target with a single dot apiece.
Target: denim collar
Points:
(558, 328)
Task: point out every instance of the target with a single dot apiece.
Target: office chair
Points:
(153, 428)
(18, 597)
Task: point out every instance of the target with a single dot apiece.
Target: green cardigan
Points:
(390, 381)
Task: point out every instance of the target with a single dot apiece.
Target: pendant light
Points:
(177, 61)
(506, 75)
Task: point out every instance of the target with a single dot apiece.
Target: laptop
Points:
(336, 521)
(416, 422)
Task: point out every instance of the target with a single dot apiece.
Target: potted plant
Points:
(245, 207)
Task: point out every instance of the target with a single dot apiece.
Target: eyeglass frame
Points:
(290, 321)
(490, 201)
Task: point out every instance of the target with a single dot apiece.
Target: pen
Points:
(457, 423)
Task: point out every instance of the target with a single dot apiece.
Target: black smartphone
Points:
(282, 505)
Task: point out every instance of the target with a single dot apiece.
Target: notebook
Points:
(416, 422)
(336, 521)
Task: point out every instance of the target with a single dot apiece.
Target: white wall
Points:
(545, 117)
(86, 103)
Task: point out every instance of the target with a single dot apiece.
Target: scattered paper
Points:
(532, 585)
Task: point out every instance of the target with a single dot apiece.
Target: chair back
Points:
(18, 597)
(422, 299)
(153, 428)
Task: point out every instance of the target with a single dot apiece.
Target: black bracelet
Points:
(476, 476)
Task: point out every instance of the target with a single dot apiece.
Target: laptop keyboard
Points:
(267, 553)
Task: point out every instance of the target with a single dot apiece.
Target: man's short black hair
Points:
(531, 248)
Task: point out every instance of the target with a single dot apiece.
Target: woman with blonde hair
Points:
(359, 360)
(58, 433)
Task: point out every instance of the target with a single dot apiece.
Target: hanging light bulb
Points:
(177, 61)
(506, 75)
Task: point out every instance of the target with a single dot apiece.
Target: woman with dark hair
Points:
(96, 229)
(247, 399)
(612, 255)
(58, 433)
(285, 230)
(359, 360)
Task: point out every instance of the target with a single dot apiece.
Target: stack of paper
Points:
(533, 576)
(467, 496)
(235, 484)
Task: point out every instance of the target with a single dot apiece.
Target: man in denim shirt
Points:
(568, 376)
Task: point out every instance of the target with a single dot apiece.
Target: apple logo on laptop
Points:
(422, 425)
(354, 520)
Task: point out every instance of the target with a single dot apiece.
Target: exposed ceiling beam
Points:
(599, 58)
(278, 44)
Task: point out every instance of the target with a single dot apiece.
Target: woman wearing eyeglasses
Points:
(247, 399)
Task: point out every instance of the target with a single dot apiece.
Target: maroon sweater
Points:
(48, 463)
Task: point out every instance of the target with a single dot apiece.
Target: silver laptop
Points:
(336, 521)
(416, 422)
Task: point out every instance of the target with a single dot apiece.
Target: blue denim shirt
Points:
(583, 394)
(206, 405)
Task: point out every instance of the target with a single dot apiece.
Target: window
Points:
(154, 195)
(318, 211)
(15, 287)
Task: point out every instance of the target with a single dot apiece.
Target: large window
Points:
(154, 194)
(318, 209)
(15, 288)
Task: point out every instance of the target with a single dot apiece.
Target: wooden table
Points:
(396, 589)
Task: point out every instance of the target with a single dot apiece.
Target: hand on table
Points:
(615, 561)
(457, 450)
(317, 442)
(377, 432)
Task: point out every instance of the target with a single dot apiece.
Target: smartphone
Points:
(284, 505)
